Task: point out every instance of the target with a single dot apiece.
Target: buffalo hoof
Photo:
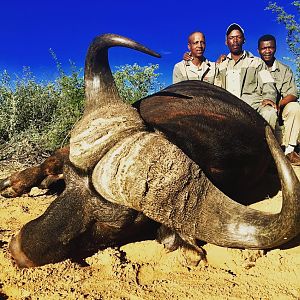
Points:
(5, 188)
(4, 183)
(192, 257)
(11, 188)
(18, 255)
(10, 193)
(192, 253)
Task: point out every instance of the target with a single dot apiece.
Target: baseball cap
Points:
(234, 26)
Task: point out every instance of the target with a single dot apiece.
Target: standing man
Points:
(247, 76)
(198, 68)
(288, 107)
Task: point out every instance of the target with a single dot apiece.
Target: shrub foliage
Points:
(292, 25)
(36, 117)
(135, 82)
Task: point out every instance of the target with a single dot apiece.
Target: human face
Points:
(267, 51)
(235, 40)
(197, 44)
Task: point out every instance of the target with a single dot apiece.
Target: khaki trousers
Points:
(291, 122)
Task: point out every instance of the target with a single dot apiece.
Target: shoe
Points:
(294, 158)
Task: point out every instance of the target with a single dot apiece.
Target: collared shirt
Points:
(186, 70)
(252, 82)
(233, 75)
(284, 80)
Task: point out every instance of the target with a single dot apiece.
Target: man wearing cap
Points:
(288, 107)
(198, 67)
(247, 76)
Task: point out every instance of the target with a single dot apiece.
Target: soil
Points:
(145, 270)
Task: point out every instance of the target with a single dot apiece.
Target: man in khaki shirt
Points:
(287, 104)
(198, 68)
(247, 76)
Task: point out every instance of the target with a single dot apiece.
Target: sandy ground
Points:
(145, 270)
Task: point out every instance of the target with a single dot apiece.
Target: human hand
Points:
(221, 58)
(187, 56)
(266, 102)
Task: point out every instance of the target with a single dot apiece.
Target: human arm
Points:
(266, 102)
(221, 58)
(187, 56)
(285, 100)
(288, 90)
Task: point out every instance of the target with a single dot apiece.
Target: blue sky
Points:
(30, 28)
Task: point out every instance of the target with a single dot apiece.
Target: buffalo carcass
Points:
(125, 170)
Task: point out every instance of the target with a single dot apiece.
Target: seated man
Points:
(197, 67)
(288, 107)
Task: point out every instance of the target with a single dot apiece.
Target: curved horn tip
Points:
(119, 40)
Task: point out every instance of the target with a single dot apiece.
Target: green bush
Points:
(135, 82)
(292, 26)
(37, 117)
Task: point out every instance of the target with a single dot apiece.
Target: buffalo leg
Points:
(173, 240)
(21, 182)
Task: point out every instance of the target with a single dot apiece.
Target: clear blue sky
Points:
(30, 28)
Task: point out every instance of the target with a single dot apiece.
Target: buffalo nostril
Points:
(18, 255)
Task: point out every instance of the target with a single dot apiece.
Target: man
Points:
(198, 67)
(247, 76)
(288, 107)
